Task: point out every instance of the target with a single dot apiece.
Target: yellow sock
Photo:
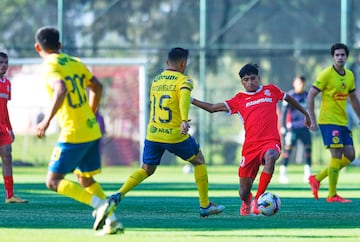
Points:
(321, 176)
(344, 162)
(333, 173)
(201, 179)
(74, 191)
(96, 189)
(134, 179)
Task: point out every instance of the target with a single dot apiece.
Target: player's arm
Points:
(95, 93)
(299, 107)
(59, 94)
(210, 107)
(313, 92)
(355, 103)
(184, 103)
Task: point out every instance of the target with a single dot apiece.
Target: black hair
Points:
(4, 55)
(48, 38)
(302, 78)
(338, 46)
(249, 69)
(177, 54)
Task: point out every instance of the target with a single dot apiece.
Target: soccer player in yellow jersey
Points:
(167, 129)
(336, 83)
(75, 95)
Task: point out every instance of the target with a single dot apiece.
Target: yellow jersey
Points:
(165, 109)
(335, 90)
(75, 117)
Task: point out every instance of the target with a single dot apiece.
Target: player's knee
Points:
(51, 184)
(198, 160)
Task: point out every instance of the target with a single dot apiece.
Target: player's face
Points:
(299, 85)
(251, 82)
(340, 57)
(3, 65)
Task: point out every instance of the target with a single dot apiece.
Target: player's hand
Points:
(313, 126)
(184, 129)
(41, 129)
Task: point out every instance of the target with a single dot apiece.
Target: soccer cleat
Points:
(283, 179)
(211, 209)
(283, 175)
(315, 185)
(105, 210)
(15, 199)
(115, 227)
(337, 199)
(254, 207)
(246, 207)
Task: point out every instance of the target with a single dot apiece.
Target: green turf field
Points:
(165, 208)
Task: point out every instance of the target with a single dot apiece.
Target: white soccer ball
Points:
(269, 204)
(187, 169)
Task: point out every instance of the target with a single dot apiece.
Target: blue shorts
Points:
(83, 159)
(335, 136)
(153, 151)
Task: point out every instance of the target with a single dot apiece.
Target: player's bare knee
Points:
(51, 184)
(198, 160)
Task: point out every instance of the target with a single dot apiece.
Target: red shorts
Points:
(253, 157)
(5, 137)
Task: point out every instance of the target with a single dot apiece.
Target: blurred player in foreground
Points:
(257, 109)
(7, 136)
(167, 129)
(75, 95)
(337, 84)
(293, 129)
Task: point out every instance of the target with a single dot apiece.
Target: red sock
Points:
(9, 186)
(265, 179)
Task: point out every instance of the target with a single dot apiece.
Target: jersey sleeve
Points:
(233, 104)
(321, 81)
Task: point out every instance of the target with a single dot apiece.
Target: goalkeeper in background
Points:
(167, 129)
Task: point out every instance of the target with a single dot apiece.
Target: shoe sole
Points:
(212, 213)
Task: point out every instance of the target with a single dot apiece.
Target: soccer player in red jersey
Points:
(257, 109)
(6, 133)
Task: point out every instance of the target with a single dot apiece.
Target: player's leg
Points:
(190, 150)
(152, 154)
(289, 141)
(336, 164)
(271, 154)
(7, 172)
(314, 180)
(245, 194)
(66, 158)
(151, 159)
(333, 172)
(305, 138)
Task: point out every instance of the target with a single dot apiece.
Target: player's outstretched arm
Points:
(298, 106)
(210, 107)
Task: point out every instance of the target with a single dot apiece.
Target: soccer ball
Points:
(269, 204)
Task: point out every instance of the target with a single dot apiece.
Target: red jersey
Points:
(5, 125)
(257, 111)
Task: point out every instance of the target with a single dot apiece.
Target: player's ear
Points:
(37, 47)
